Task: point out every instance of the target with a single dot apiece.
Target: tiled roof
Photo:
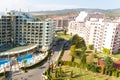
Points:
(97, 15)
(100, 62)
(117, 62)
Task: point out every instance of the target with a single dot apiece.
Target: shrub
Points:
(90, 46)
(94, 68)
(6, 74)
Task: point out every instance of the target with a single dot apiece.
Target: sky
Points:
(43, 5)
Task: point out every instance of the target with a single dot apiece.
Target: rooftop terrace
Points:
(5, 50)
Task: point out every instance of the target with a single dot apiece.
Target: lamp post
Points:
(11, 67)
(60, 68)
(4, 71)
(49, 61)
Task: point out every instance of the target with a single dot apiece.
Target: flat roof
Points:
(18, 49)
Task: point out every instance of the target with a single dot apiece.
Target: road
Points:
(36, 74)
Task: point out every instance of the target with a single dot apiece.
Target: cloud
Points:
(25, 5)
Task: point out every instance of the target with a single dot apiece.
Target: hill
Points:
(66, 11)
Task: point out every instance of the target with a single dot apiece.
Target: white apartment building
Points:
(97, 31)
(21, 28)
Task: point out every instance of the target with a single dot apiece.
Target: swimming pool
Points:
(28, 57)
(2, 62)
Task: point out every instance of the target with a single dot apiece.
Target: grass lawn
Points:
(85, 75)
(63, 36)
(116, 55)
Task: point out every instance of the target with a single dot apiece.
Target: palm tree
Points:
(25, 61)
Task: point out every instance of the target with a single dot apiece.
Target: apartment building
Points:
(97, 31)
(62, 21)
(5, 30)
(21, 28)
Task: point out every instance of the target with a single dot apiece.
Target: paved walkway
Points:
(66, 56)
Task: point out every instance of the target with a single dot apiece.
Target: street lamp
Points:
(49, 60)
(11, 68)
(48, 72)
(60, 68)
(4, 71)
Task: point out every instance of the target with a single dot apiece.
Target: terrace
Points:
(5, 50)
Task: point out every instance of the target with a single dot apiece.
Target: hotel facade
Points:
(21, 28)
(97, 31)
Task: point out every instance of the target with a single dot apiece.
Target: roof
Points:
(101, 62)
(19, 49)
(95, 15)
(117, 62)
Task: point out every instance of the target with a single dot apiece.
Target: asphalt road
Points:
(36, 74)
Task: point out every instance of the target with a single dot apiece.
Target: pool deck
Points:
(16, 67)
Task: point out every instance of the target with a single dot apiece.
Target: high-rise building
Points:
(97, 31)
(21, 28)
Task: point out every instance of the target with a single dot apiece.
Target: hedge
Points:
(72, 64)
(6, 74)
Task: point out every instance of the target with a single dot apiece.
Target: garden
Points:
(83, 64)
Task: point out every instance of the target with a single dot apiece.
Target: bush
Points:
(6, 74)
(88, 51)
(90, 46)
(94, 68)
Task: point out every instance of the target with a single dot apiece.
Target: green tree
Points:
(72, 52)
(71, 74)
(81, 44)
(108, 64)
(90, 46)
(25, 61)
(106, 50)
(93, 67)
(74, 39)
(83, 61)
(65, 31)
(78, 42)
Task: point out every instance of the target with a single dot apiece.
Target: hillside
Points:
(66, 11)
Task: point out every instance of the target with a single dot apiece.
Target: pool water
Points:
(28, 57)
(2, 62)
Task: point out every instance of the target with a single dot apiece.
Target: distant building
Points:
(97, 31)
(62, 21)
